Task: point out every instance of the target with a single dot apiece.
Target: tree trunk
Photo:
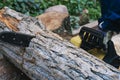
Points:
(49, 57)
(9, 72)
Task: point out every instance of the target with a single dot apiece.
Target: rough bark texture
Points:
(50, 57)
(9, 72)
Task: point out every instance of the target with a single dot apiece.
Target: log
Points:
(49, 57)
(9, 72)
(93, 24)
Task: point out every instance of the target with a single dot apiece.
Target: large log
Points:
(9, 72)
(49, 57)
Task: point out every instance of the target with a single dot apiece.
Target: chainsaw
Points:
(91, 39)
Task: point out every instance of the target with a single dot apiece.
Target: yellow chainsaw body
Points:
(77, 41)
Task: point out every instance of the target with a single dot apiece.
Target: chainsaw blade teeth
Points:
(91, 38)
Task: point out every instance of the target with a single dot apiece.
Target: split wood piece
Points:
(9, 21)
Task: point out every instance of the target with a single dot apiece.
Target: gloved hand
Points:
(111, 56)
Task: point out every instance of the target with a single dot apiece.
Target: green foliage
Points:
(74, 22)
(36, 7)
(29, 7)
(76, 9)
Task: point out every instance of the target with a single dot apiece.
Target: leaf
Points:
(31, 1)
(35, 7)
(20, 0)
(27, 13)
(26, 1)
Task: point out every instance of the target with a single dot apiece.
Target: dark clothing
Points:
(110, 19)
(111, 56)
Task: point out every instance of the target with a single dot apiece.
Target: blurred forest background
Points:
(75, 8)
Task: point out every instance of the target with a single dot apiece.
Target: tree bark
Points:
(49, 57)
(9, 72)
